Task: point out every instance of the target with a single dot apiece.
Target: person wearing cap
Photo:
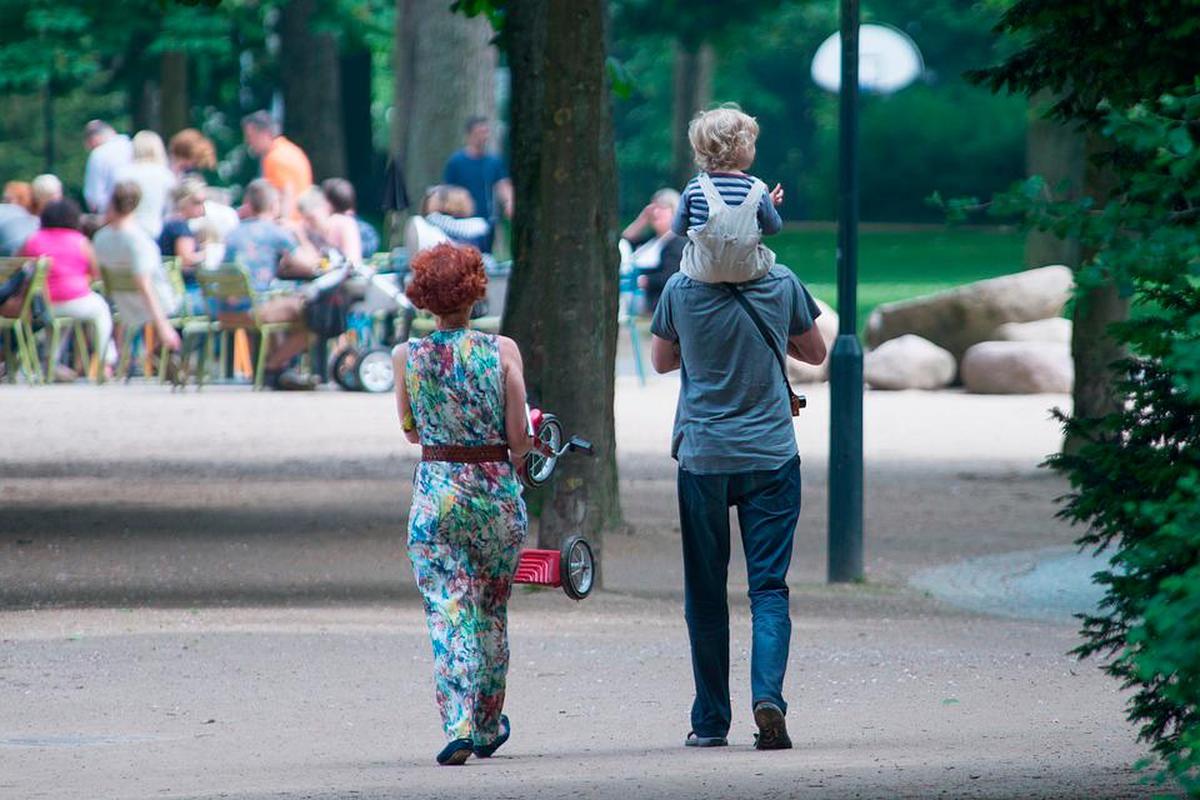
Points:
(109, 153)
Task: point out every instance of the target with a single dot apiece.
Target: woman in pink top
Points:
(72, 270)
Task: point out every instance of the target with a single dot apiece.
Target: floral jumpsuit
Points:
(465, 528)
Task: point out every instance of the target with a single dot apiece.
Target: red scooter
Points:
(572, 567)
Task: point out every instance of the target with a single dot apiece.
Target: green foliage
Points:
(1088, 53)
(1136, 480)
(1126, 72)
(691, 22)
(938, 132)
(93, 58)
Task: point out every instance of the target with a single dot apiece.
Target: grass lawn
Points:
(896, 264)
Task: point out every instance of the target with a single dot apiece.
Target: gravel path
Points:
(207, 596)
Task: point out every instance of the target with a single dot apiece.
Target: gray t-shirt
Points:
(16, 225)
(733, 413)
(131, 249)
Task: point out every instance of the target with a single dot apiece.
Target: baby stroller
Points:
(379, 318)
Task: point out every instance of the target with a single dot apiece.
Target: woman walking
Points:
(461, 396)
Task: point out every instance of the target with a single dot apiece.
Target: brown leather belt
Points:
(465, 455)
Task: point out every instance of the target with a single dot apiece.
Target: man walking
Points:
(482, 174)
(735, 446)
(284, 164)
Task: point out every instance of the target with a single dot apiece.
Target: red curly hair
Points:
(447, 278)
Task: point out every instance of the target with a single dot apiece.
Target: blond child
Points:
(725, 212)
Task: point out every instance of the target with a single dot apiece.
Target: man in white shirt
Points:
(110, 151)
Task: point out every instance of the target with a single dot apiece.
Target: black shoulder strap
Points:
(762, 330)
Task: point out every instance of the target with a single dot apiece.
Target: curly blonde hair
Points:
(722, 138)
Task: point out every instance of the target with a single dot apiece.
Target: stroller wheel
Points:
(578, 567)
(375, 372)
(345, 368)
(541, 460)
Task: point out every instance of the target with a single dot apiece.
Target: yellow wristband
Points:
(409, 423)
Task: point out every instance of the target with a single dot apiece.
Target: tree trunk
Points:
(1093, 348)
(404, 67)
(356, 122)
(1056, 152)
(445, 73)
(692, 89)
(144, 101)
(173, 83)
(311, 90)
(562, 300)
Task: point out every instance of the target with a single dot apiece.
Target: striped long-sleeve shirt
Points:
(733, 187)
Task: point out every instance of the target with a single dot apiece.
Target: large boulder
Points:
(1055, 329)
(827, 324)
(958, 318)
(1018, 368)
(908, 362)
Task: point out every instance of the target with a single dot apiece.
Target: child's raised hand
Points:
(777, 195)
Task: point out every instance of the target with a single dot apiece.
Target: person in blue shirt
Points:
(483, 174)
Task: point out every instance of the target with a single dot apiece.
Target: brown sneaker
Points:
(772, 728)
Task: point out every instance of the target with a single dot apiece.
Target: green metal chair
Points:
(19, 329)
(191, 324)
(122, 282)
(228, 284)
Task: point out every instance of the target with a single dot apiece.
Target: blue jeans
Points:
(768, 506)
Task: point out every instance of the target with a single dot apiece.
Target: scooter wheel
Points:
(578, 567)
(375, 372)
(345, 368)
(541, 460)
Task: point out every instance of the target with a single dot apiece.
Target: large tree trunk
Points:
(1093, 348)
(1063, 154)
(404, 68)
(445, 73)
(562, 301)
(311, 89)
(173, 83)
(692, 90)
(1056, 152)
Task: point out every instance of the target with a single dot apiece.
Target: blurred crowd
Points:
(147, 208)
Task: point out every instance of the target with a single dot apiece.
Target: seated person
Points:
(72, 270)
(123, 246)
(340, 194)
(267, 250)
(178, 238)
(263, 246)
(334, 235)
(654, 249)
(17, 220)
(451, 210)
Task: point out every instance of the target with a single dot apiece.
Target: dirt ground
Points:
(206, 595)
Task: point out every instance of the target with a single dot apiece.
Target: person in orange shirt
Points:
(284, 164)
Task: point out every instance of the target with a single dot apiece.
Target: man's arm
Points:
(93, 184)
(808, 347)
(504, 190)
(298, 258)
(664, 355)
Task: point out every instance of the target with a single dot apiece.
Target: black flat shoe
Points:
(455, 753)
(486, 750)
